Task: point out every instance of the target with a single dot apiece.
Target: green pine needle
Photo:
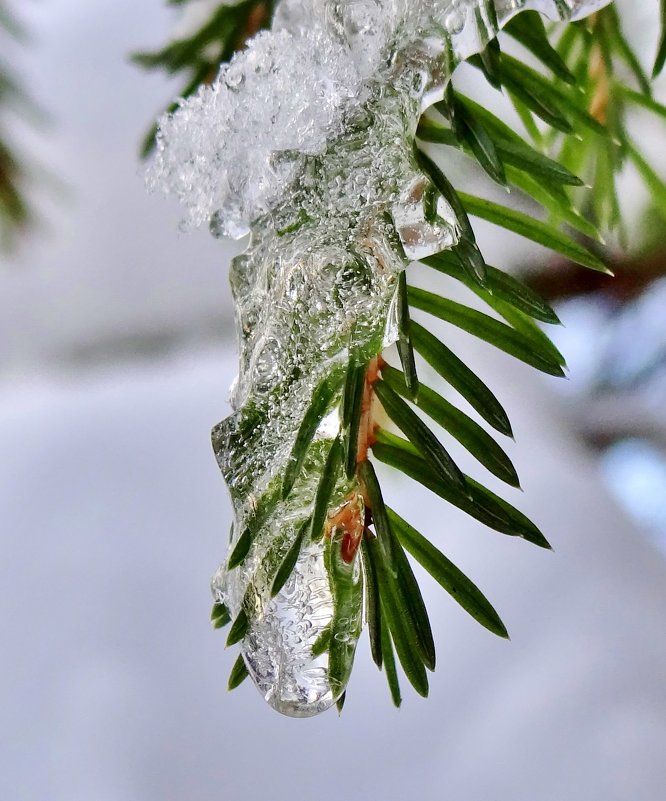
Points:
(351, 412)
(219, 615)
(321, 401)
(238, 628)
(420, 435)
(405, 347)
(459, 587)
(461, 378)
(287, 566)
(480, 503)
(660, 59)
(528, 29)
(238, 673)
(499, 285)
(389, 664)
(325, 489)
(528, 227)
(470, 434)
(395, 612)
(372, 606)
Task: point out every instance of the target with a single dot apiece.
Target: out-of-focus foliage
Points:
(15, 214)
(208, 42)
(612, 83)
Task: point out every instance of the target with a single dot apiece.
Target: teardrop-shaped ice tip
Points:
(285, 648)
(291, 678)
(300, 694)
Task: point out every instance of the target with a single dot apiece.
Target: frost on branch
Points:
(305, 141)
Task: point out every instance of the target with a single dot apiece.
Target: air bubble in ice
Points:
(266, 365)
(454, 21)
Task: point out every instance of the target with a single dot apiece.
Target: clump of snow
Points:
(231, 151)
(226, 150)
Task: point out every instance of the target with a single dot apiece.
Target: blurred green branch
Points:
(197, 55)
(15, 213)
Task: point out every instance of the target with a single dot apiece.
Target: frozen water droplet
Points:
(223, 223)
(454, 21)
(423, 230)
(266, 364)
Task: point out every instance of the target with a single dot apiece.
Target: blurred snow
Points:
(629, 352)
(618, 396)
(113, 516)
(110, 270)
(635, 470)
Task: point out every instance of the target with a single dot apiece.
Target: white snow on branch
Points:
(231, 150)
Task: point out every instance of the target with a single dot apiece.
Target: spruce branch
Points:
(324, 487)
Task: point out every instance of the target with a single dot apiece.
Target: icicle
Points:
(305, 141)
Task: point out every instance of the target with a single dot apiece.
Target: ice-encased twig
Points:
(305, 141)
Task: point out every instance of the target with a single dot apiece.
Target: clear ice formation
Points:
(305, 141)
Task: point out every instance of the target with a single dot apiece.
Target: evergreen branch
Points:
(324, 484)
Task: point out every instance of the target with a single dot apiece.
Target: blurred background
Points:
(116, 353)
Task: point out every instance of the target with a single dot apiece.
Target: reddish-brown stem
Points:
(599, 73)
(366, 433)
(351, 517)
